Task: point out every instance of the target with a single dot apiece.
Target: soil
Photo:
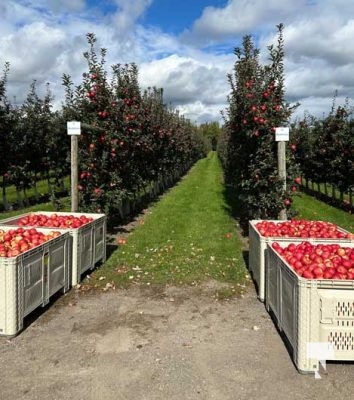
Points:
(152, 343)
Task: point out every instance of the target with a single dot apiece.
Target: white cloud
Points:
(318, 106)
(329, 39)
(128, 13)
(186, 79)
(39, 44)
(155, 44)
(199, 112)
(43, 39)
(65, 5)
(240, 17)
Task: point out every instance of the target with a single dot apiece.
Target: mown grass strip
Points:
(189, 234)
(312, 209)
(187, 237)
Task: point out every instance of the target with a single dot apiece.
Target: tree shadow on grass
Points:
(245, 256)
(234, 208)
(110, 249)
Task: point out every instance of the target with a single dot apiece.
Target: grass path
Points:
(188, 236)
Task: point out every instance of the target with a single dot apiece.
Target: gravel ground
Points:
(153, 343)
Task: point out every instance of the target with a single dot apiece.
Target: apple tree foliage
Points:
(212, 132)
(247, 148)
(7, 121)
(5, 126)
(324, 148)
(129, 137)
(39, 140)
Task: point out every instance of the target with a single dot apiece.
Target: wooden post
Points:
(282, 136)
(74, 130)
(282, 173)
(74, 173)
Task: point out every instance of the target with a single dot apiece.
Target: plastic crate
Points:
(89, 241)
(258, 248)
(28, 280)
(310, 311)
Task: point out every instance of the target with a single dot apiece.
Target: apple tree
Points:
(6, 124)
(324, 148)
(129, 137)
(257, 106)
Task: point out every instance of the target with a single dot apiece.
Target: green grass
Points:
(187, 237)
(65, 204)
(42, 189)
(312, 209)
(321, 188)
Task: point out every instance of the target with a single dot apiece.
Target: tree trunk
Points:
(4, 199)
(326, 189)
(36, 193)
(19, 198)
(25, 197)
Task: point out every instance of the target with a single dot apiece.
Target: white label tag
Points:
(282, 134)
(74, 127)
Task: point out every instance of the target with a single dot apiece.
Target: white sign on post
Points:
(73, 127)
(282, 134)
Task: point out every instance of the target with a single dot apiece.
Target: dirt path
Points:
(152, 344)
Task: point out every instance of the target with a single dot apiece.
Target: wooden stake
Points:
(74, 173)
(282, 173)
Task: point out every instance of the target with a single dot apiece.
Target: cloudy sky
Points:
(185, 46)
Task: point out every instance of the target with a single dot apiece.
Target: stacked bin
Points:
(258, 245)
(28, 280)
(310, 311)
(89, 241)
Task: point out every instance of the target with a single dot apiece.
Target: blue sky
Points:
(185, 47)
(175, 16)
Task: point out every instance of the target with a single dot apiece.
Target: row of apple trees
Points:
(131, 141)
(325, 149)
(33, 145)
(247, 147)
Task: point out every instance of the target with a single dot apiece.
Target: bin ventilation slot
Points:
(342, 340)
(345, 323)
(345, 309)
